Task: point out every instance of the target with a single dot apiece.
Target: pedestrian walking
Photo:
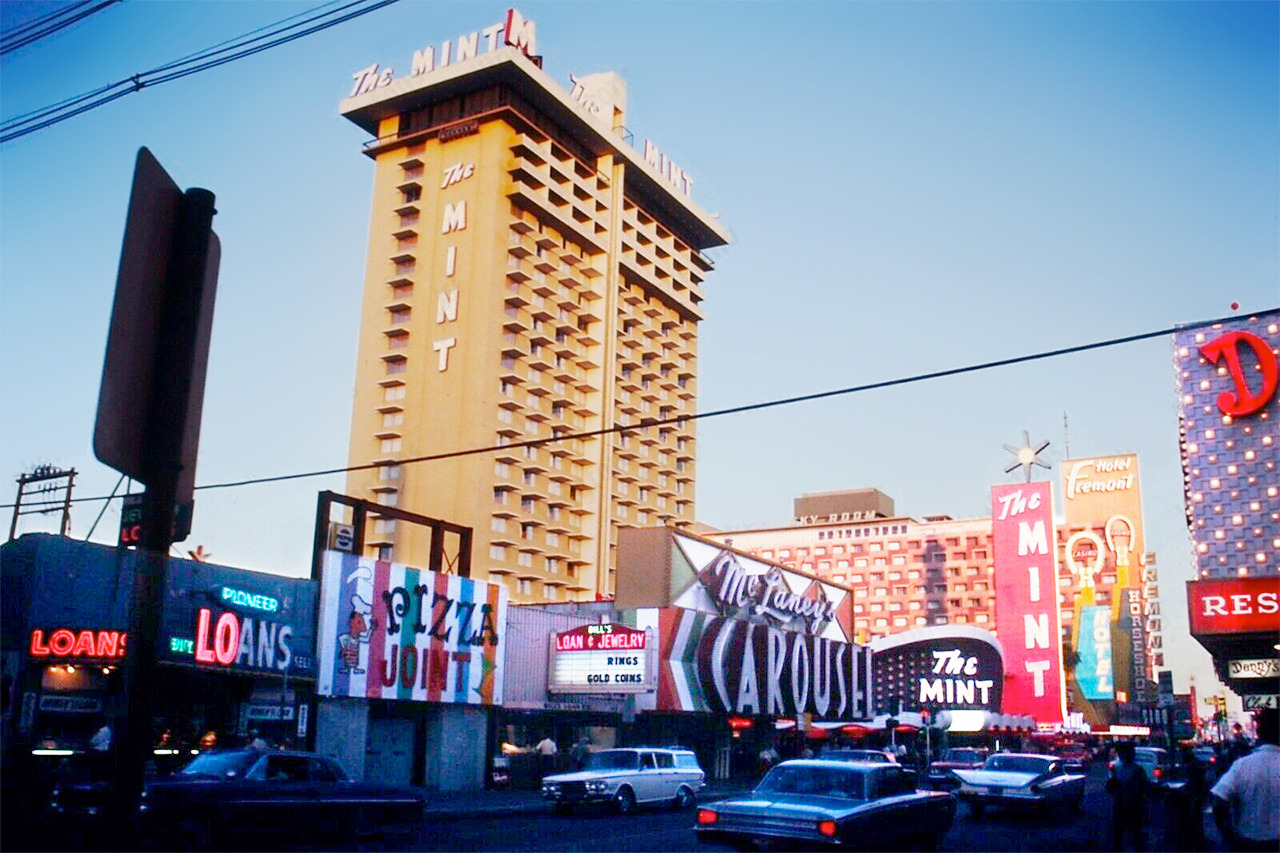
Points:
(546, 750)
(1246, 799)
(1189, 814)
(1127, 785)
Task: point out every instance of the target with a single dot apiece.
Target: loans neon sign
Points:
(66, 643)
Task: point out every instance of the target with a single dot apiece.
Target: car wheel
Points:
(976, 809)
(684, 798)
(624, 802)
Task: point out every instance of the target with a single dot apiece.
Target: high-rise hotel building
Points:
(530, 275)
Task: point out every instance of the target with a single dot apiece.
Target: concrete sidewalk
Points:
(498, 801)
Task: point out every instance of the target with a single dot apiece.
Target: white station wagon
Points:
(627, 777)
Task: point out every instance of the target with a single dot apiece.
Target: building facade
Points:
(906, 574)
(533, 282)
(1228, 380)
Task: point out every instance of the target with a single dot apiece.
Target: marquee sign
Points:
(604, 658)
(952, 667)
(389, 631)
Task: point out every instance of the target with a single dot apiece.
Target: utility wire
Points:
(646, 423)
(256, 41)
(47, 25)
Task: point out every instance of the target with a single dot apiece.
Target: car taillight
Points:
(707, 816)
(1158, 772)
(827, 828)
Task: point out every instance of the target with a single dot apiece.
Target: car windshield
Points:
(815, 781)
(1017, 763)
(860, 755)
(221, 765)
(969, 755)
(613, 759)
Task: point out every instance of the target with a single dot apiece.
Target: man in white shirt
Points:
(1246, 800)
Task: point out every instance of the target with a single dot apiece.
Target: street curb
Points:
(474, 806)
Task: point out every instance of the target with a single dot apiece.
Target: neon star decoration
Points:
(1026, 456)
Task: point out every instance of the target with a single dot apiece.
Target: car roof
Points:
(1041, 756)
(831, 762)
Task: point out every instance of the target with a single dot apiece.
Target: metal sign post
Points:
(149, 411)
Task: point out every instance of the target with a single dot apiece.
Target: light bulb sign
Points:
(604, 658)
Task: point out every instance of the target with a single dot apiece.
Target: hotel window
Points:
(913, 576)
(842, 564)
(784, 553)
(392, 393)
(982, 617)
(913, 605)
(877, 576)
(877, 608)
(527, 530)
(389, 472)
(497, 552)
(899, 621)
(499, 495)
(899, 590)
(876, 546)
(400, 315)
(550, 593)
(398, 365)
(920, 620)
(961, 588)
(855, 578)
(860, 563)
(524, 558)
(390, 445)
(859, 593)
(528, 504)
(858, 608)
(939, 620)
(392, 419)
(524, 586)
(895, 546)
(881, 623)
(498, 524)
(895, 576)
(881, 591)
(899, 560)
(385, 526)
(895, 607)
(932, 605)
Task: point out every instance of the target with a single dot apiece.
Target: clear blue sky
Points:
(911, 187)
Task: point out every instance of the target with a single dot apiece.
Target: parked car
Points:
(819, 802)
(1207, 757)
(1020, 780)
(628, 777)
(221, 797)
(1157, 763)
(960, 758)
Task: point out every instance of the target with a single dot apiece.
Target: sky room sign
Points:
(389, 631)
(514, 30)
(605, 658)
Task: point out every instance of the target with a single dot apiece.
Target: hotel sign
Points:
(514, 30)
(606, 658)
(1027, 600)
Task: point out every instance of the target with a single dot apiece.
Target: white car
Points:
(1018, 779)
(627, 777)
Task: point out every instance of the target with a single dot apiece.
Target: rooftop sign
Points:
(514, 30)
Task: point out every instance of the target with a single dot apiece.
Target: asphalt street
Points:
(667, 830)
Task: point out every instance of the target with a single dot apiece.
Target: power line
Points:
(248, 44)
(47, 25)
(646, 423)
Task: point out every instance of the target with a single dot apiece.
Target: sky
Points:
(911, 187)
